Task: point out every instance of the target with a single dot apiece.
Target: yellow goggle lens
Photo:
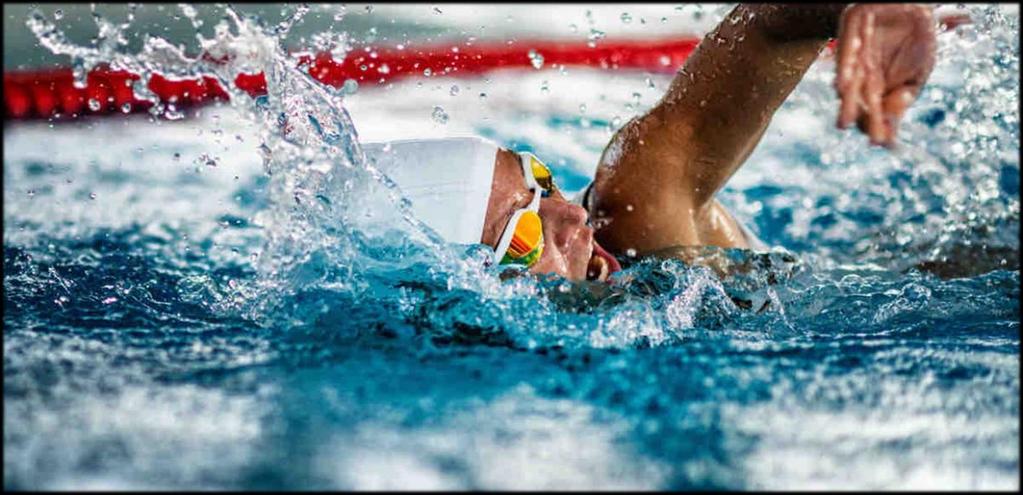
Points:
(542, 174)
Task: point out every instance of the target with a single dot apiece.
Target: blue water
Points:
(146, 345)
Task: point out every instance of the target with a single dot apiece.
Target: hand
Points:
(885, 54)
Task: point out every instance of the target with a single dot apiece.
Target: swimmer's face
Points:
(569, 248)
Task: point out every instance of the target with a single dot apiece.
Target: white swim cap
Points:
(447, 180)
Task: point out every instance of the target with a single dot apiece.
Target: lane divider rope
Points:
(43, 94)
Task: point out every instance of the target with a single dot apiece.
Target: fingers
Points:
(851, 97)
(874, 85)
(849, 77)
(895, 105)
(950, 22)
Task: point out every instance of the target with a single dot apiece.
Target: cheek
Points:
(552, 260)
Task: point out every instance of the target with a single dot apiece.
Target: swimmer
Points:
(655, 182)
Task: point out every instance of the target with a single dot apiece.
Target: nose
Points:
(562, 219)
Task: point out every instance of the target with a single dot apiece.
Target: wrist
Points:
(792, 22)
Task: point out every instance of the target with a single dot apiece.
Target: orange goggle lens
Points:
(527, 242)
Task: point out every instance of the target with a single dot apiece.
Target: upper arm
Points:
(684, 149)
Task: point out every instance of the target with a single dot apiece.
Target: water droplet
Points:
(384, 69)
(483, 96)
(649, 83)
(437, 11)
(582, 108)
(454, 90)
(95, 105)
(341, 11)
(427, 72)
(626, 17)
(665, 60)
(630, 253)
(31, 192)
(205, 159)
(629, 208)
(573, 28)
(439, 115)
(350, 87)
(544, 87)
(126, 108)
(535, 59)
(58, 14)
(92, 195)
(172, 113)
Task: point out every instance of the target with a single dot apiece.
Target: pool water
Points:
(171, 322)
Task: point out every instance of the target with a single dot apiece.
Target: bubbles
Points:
(188, 11)
(341, 11)
(535, 59)
(350, 87)
(626, 18)
(439, 115)
(206, 160)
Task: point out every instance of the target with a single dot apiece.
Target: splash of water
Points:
(318, 237)
(319, 175)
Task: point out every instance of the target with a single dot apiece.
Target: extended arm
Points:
(657, 178)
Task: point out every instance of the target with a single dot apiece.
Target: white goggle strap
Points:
(534, 205)
(526, 160)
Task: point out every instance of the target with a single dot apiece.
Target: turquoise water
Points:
(175, 317)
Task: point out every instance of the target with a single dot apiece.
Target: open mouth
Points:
(602, 264)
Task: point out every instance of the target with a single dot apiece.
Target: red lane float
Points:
(47, 93)
(44, 94)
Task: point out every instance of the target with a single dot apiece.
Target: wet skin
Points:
(656, 180)
(568, 240)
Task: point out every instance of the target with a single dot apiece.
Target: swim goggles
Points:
(522, 241)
